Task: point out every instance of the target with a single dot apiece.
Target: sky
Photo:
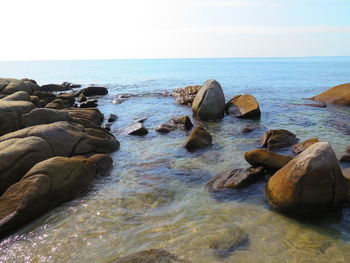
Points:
(123, 29)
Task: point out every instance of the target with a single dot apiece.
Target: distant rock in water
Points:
(93, 91)
(276, 139)
(243, 106)
(339, 95)
(262, 157)
(150, 256)
(180, 122)
(301, 146)
(186, 95)
(9, 86)
(136, 129)
(112, 117)
(199, 138)
(309, 185)
(209, 103)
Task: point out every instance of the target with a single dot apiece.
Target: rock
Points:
(181, 122)
(309, 185)
(112, 117)
(9, 86)
(136, 129)
(243, 106)
(71, 85)
(68, 99)
(247, 129)
(236, 178)
(199, 138)
(339, 95)
(46, 96)
(186, 95)
(10, 114)
(93, 91)
(58, 104)
(275, 139)
(316, 105)
(149, 256)
(45, 116)
(46, 185)
(301, 146)
(82, 98)
(92, 114)
(107, 126)
(234, 239)
(346, 155)
(54, 87)
(69, 138)
(209, 103)
(89, 104)
(18, 96)
(36, 101)
(262, 157)
(18, 155)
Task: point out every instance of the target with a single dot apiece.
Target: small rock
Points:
(275, 139)
(54, 87)
(82, 98)
(346, 155)
(243, 106)
(89, 104)
(301, 146)
(262, 157)
(107, 126)
(57, 104)
(112, 117)
(339, 95)
(199, 138)
(181, 122)
(247, 129)
(136, 129)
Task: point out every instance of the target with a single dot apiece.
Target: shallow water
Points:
(155, 195)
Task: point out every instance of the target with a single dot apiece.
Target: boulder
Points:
(276, 139)
(89, 104)
(237, 178)
(82, 98)
(346, 155)
(209, 103)
(18, 96)
(46, 96)
(46, 185)
(93, 91)
(262, 157)
(186, 95)
(339, 95)
(18, 155)
(54, 87)
(309, 185)
(149, 256)
(112, 117)
(57, 104)
(9, 86)
(243, 106)
(180, 122)
(136, 129)
(92, 114)
(199, 138)
(36, 101)
(247, 129)
(69, 138)
(301, 146)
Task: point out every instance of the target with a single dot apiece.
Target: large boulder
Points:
(137, 128)
(311, 184)
(186, 95)
(275, 139)
(199, 138)
(209, 103)
(45, 116)
(46, 185)
(262, 157)
(18, 96)
(9, 86)
(149, 256)
(339, 95)
(18, 155)
(69, 138)
(92, 114)
(243, 106)
(93, 91)
(302, 146)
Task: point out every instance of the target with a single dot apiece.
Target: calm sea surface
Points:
(155, 196)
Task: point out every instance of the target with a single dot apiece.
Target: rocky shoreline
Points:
(53, 147)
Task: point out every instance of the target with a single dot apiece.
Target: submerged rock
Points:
(199, 138)
(243, 106)
(309, 185)
(237, 178)
(46, 185)
(181, 122)
(300, 147)
(136, 129)
(262, 157)
(339, 95)
(57, 104)
(186, 95)
(209, 103)
(112, 117)
(92, 114)
(150, 256)
(275, 139)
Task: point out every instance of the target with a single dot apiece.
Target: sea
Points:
(155, 196)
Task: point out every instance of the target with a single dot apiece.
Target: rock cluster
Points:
(186, 95)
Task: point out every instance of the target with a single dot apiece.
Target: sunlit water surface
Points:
(155, 196)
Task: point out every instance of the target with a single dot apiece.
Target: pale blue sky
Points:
(112, 29)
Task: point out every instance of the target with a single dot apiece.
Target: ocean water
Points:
(155, 195)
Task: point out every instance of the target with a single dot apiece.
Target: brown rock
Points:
(199, 138)
(93, 91)
(57, 104)
(136, 129)
(275, 139)
(301, 146)
(262, 157)
(311, 184)
(54, 87)
(186, 95)
(243, 106)
(339, 95)
(9, 86)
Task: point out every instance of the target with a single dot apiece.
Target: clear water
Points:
(155, 196)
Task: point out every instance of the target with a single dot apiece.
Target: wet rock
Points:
(107, 126)
(199, 138)
(136, 129)
(300, 147)
(309, 185)
(71, 85)
(236, 178)
(46, 185)
(186, 95)
(209, 103)
(82, 98)
(346, 155)
(112, 117)
(262, 157)
(18, 155)
(149, 256)
(276, 139)
(339, 95)
(89, 104)
(181, 122)
(234, 239)
(93, 91)
(243, 106)
(92, 114)
(247, 129)
(9, 86)
(54, 87)
(57, 104)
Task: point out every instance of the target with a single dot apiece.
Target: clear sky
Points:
(114, 29)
